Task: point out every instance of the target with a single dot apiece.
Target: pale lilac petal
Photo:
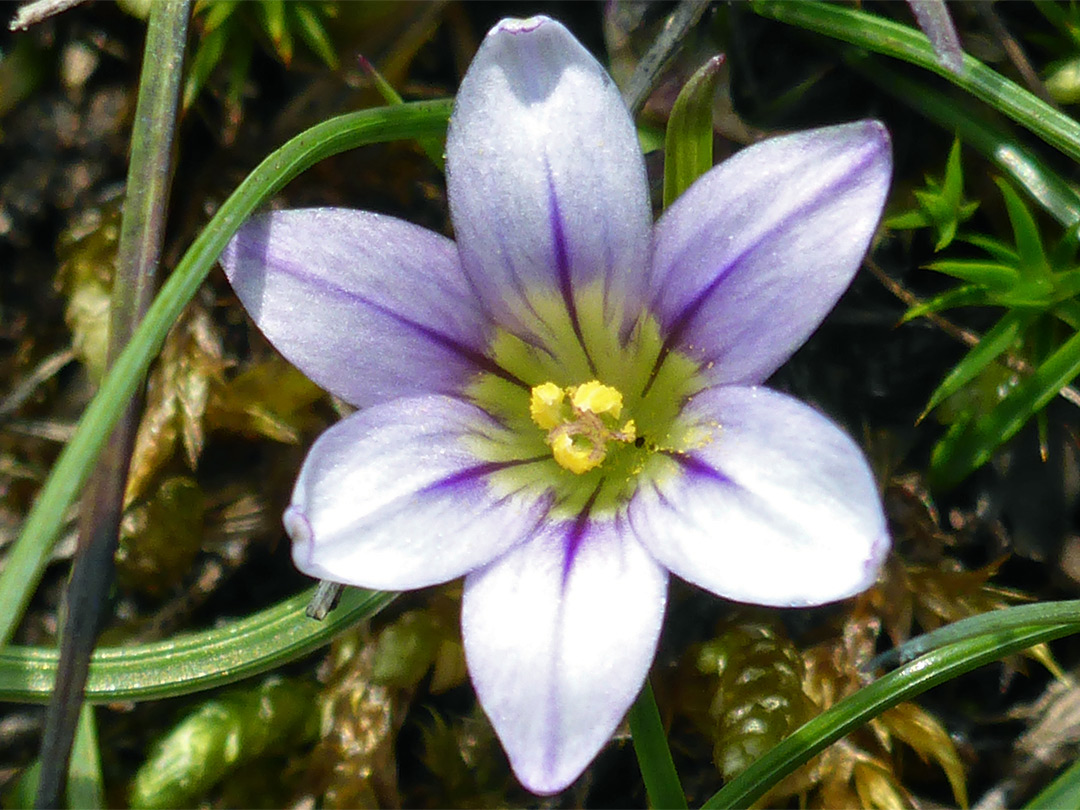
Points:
(773, 505)
(368, 306)
(748, 261)
(394, 497)
(545, 175)
(559, 636)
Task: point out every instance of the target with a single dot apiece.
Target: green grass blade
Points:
(433, 147)
(963, 296)
(889, 690)
(978, 271)
(961, 452)
(1033, 262)
(892, 39)
(1016, 617)
(993, 344)
(1062, 792)
(85, 784)
(653, 755)
(996, 144)
(688, 142)
(28, 556)
(191, 662)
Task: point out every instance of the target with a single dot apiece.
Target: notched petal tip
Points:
(514, 25)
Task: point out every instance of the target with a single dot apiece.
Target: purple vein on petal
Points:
(577, 532)
(686, 316)
(477, 471)
(695, 466)
(562, 266)
(475, 357)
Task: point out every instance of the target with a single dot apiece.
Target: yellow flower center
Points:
(580, 422)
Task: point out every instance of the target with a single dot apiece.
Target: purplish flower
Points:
(563, 404)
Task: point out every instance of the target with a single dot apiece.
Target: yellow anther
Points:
(577, 458)
(579, 434)
(545, 406)
(595, 397)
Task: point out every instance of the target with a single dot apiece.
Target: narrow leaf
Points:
(433, 147)
(688, 144)
(993, 344)
(1033, 262)
(86, 786)
(964, 296)
(654, 757)
(191, 662)
(983, 273)
(314, 34)
(958, 454)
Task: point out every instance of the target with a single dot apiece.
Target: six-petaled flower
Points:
(563, 404)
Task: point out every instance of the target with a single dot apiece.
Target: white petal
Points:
(559, 636)
(752, 257)
(774, 505)
(545, 175)
(370, 307)
(394, 497)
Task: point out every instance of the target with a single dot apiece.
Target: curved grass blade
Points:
(889, 690)
(1010, 618)
(28, 556)
(191, 662)
(892, 39)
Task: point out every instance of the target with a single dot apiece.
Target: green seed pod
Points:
(759, 698)
(221, 735)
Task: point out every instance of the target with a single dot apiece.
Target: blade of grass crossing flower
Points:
(993, 344)
(433, 147)
(998, 146)
(899, 41)
(688, 143)
(191, 662)
(1062, 792)
(964, 450)
(28, 556)
(654, 757)
(870, 701)
(86, 786)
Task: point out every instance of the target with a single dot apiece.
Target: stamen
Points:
(579, 437)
